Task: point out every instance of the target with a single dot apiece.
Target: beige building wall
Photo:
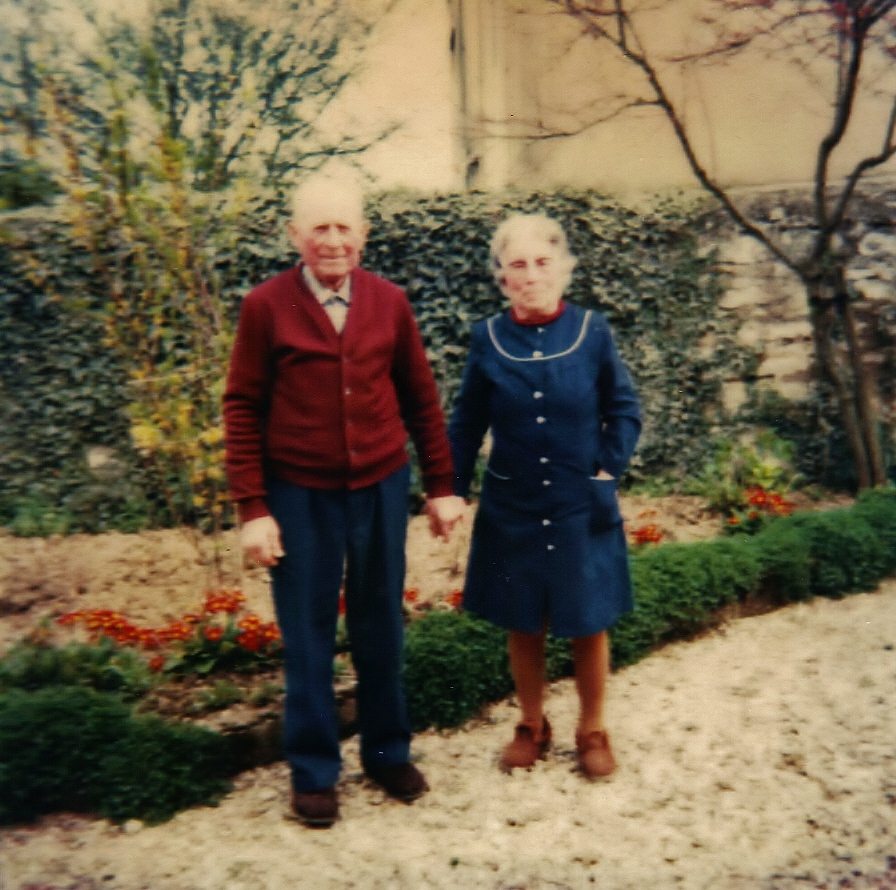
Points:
(480, 87)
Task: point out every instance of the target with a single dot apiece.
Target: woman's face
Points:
(534, 275)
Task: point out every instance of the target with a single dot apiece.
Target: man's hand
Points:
(444, 513)
(260, 540)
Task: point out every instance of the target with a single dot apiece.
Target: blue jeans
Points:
(328, 536)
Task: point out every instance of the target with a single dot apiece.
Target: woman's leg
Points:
(591, 656)
(532, 736)
(527, 663)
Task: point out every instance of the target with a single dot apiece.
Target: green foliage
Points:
(642, 269)
(456, 663)
(222, 694)
(104, 667)
(23, 182)
(758, 459)
(677, 589)
(76, 749)
(158, 284)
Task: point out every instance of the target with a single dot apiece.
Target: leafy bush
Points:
(104, 667)
(73, 748)
(455, 663)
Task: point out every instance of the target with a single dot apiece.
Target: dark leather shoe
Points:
(402, 781)
(319, 809)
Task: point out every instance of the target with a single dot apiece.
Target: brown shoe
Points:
(526, 747)
(319, 809)
(402, 781)
(595, 756)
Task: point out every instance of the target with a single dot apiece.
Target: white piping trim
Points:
(540, 358)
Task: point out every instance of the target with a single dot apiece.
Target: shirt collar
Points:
(323, 293)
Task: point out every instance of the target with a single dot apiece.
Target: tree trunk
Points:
(845, 370)
(864, 385)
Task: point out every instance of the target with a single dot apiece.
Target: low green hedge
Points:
(456, 663)
(71, 748)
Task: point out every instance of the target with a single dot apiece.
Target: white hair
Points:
(323, 188)
(540, 226)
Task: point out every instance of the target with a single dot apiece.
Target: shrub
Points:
(678, 587)
(454, 664)
(73, 748)
(103, 666)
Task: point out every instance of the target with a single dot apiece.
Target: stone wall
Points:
(770, 302)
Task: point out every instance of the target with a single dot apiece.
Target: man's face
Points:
(329, 233)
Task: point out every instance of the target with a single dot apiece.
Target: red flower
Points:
(342, 604)
(156, 663)
(455, 599)
(757, 497)
(647, 534)
(213, 633)
(223, 601)
(411, 595)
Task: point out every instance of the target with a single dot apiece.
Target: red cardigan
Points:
(308, 406)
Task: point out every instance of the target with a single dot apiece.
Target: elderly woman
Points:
(548, 550)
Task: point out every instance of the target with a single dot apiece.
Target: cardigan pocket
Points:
(604, 505)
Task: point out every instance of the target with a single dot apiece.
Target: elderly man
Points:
(327, 377)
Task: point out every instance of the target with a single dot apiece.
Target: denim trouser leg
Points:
(325, 531)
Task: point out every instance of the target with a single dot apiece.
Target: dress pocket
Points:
(604, 505)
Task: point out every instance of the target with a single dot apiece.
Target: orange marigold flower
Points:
(733, 520)
(757, 496)
(411, 595)
(250, 641)
(213, 633)
(156, 663)
(455, 599)
(647, 534)
(223, 601)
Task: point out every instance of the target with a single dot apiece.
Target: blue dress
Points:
(548, 544)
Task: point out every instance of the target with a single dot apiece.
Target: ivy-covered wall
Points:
(64, 393)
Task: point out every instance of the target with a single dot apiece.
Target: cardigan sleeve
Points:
(620, 414)
(246, 396)
(421, 408)
(470, 418)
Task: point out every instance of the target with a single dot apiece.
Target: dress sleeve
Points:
(620, 415)
(470, 418)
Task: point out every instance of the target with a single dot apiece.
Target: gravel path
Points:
(760, 756)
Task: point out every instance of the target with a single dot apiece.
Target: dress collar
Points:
(538, 319)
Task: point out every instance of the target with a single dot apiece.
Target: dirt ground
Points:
(759, 756)
(157, 576)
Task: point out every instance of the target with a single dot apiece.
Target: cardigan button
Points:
(543, 460)
(540, 419)
(537, 354)
(545, 481)
(545, 521)
(538, 395)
